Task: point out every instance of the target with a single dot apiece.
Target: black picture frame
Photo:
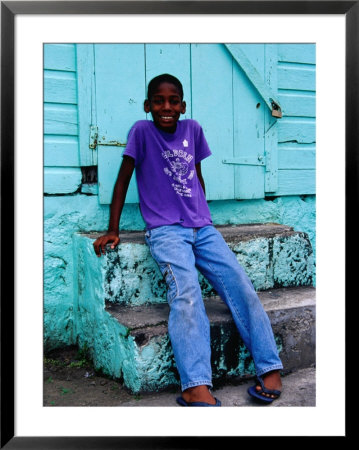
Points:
(9, 9)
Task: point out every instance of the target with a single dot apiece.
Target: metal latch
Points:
(246, 161)
(95, 141)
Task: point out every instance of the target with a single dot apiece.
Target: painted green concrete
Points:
(113, 350)
(131, 277)
(143, 358)
(141, 353)
(66, 215)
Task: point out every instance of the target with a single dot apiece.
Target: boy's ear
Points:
(183, 109)
(146, 106)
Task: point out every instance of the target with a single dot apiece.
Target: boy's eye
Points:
(159, 101)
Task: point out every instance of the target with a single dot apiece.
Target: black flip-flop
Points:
(258, 395)
(181, 401)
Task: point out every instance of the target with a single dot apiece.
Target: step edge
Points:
(115, 310)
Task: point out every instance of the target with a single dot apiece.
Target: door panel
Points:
(218, 95)
(120, 89)
(212, 107)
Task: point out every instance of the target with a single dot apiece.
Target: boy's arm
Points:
(200, 177)
(118, 200)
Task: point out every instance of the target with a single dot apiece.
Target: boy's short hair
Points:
(164, 78)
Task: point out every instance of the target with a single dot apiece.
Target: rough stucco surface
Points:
(138, 350)
(69, 214)
(132, 342)
(270, 260)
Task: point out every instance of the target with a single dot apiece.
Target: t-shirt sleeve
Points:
(202, 148)
(134, 146)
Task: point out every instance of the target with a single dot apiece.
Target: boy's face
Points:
(166, 106)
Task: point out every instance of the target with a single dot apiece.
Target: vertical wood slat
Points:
(248, 112)
(164, 58)
(86, 102)
(271, 124)
(212, 107)
(120, 92)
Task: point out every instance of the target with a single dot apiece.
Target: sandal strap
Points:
(267, 391)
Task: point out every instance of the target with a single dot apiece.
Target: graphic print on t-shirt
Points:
(179, 170)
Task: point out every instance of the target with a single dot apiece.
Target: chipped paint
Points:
(66, 215)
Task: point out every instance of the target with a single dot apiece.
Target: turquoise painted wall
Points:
(71, 204)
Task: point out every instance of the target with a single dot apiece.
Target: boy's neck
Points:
(167, 130)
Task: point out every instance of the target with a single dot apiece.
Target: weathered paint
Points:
(141, 354)
(64, 180)
(66, 215)
(131, 277)
(66, 127)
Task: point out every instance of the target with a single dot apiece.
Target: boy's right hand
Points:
(101, 242)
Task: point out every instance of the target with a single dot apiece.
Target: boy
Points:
(167, 154)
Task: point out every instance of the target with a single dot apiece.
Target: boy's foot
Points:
(198, 394)
(273, 382)
(268, 387)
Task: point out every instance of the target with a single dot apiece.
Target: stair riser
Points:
(131, 277)
(144, 357)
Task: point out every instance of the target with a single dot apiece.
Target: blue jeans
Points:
(179, 252)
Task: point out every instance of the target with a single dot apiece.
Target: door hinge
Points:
(93, 136)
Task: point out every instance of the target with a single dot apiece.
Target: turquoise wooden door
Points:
(237, 122)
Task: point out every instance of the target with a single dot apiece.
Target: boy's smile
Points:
(166, 106)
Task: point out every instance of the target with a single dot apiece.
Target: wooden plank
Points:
(255, 54)
(248, 116)
(270, 66)
(120, 93)
(86, 102)
(61, 180)
(120, 89)
(60, 119)
(164, 58)
(297, 103)
(271, 159)
(212, 108)
(60, 57)
(256, 76)
(60, 87)
(296, 182)
(297, 157)
(61, 151)
(109, 162)
(270, 122)
(299, 53)
(296, 76)
(301, 130)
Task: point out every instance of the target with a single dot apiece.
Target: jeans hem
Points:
(196, 383)
(269, 369)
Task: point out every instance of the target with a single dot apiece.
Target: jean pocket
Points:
(170, 280)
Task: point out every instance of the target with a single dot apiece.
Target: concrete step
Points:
(131, 342)
(272, 255)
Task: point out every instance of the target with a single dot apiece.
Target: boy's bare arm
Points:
(118, 200)
(200, 177)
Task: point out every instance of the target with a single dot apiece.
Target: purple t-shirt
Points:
(169, 189)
